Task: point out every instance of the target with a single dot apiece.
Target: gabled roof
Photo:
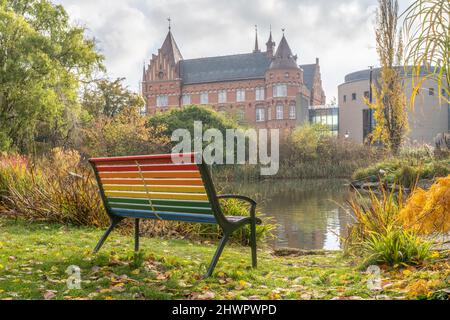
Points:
(225, 68)
(171, 50)
(284, 59)
(309, 71)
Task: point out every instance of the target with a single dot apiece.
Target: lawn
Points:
(34, 258)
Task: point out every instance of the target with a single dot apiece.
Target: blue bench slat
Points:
(169, 216)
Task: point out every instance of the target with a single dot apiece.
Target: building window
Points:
(186, 99)
(260, 94)
(162, 101)
(286, 75)
(240, 95)
(269, 113)
(241, 115)
(353, 96)
(366, 94)
(431, 91)
(345, 98)
(260, 115)
(222, 96)
(280, 90)
(280, 112)
(292, 112)
(204, 98)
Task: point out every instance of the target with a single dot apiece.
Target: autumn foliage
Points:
(428, 212)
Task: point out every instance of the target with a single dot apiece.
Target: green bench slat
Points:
(160, 208)
(176, 203)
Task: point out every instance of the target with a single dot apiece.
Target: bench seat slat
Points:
(189, 156)
(154, 182)
(152, 174)
(147, 207)
(168, 216)
(141, 162)
(155, 195)
(146, 168)
(151, 188)
(184, 217)
(173, 203)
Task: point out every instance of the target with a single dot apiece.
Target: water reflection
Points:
(308, 212)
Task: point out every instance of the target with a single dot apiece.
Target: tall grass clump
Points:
(55, 188)
(378, 234)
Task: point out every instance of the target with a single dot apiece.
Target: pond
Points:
(308, 213)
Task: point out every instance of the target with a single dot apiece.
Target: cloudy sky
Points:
(339, 32)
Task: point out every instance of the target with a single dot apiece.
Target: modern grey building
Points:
(429, 116)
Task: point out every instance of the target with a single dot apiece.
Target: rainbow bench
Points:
(156, 187)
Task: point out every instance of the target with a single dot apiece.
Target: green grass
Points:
(35, 256)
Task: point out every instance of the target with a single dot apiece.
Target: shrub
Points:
(313, 152)
(406, 172)
(428, 212)
(185, 118)
(124, 134)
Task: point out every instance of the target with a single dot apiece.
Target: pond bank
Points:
(35, 257)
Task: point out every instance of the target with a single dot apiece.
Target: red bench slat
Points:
(190, 156)
(146, 168)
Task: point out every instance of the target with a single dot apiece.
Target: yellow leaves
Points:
(407, 272)
(242, 285)
(428, 212)
(2, 267)
(274, 296)
(435, 255)
(418, 289)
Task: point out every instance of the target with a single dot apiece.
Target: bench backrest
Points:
(155, 184)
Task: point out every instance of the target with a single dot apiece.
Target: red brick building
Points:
(262, 89)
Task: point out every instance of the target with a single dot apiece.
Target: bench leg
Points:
(217, 255)
(136, 235)
(114, 223)
(253, 244)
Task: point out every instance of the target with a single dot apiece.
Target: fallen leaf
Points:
(49, 294)
(208, 295)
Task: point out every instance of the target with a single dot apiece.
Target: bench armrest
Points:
(243, 198)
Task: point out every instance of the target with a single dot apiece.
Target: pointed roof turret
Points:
(256, 41)
(143, 72)
(284, 59)
(171, 50)
(270, 45)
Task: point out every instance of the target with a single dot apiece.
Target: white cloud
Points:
(339, 32)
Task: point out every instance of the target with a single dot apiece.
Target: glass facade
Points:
(325, 115)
